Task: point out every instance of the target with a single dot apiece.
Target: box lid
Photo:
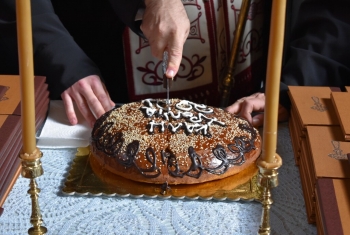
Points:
(342, 109)
(10, 93)
(328, 151)
(313, 104)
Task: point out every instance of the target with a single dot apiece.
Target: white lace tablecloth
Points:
(112, 215)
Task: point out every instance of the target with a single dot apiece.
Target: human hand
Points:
(166, 26)
(91, 98)
(244, 107)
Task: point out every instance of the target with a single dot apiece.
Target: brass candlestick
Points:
(30, 155)
(31, 169)
(267, 179)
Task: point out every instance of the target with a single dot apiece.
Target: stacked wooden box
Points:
(320, 133)
(11, 127)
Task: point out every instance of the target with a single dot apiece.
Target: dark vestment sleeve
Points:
(56, 55)
(318, 53)
(126, 11)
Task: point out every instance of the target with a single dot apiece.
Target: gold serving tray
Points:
(83, 181)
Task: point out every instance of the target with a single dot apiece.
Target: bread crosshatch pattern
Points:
(179, 143)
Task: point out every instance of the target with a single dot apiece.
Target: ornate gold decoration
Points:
(227, 81)
(337, 151)
(318, 105)
(267, 179)
(32, 168)
(3, 93)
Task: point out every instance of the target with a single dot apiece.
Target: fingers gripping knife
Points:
(166, 81)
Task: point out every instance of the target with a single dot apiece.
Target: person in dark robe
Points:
(317, 55)
(70, 73)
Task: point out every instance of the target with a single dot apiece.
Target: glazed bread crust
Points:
(178, 143)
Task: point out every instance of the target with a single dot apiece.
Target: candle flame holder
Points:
(267, 179)
(31, 169)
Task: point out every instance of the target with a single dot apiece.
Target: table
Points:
(114, 215)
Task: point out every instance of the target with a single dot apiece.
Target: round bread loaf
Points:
(177, 143)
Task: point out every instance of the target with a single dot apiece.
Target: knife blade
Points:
(166, 81)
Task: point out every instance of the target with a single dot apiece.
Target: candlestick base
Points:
(267, 179)
(32, 168)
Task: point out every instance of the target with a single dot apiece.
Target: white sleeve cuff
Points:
(139, 14)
